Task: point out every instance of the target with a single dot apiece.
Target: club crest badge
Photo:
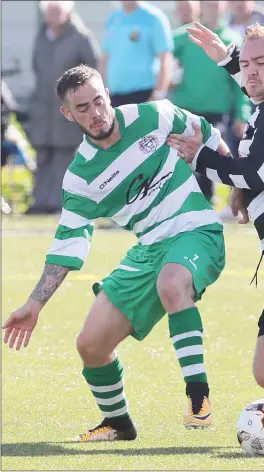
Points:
(148, 144)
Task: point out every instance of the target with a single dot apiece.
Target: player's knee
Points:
(174, 288)
(258, 371)
(259, 376)
(171, 292)
(88, 346)
(258, 361)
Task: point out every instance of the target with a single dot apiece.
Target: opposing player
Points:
(125, 170)
(247, 172)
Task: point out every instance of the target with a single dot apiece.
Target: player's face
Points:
(252, 67)
(89, 106)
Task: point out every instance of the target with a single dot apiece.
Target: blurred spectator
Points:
(202, 78)
(135, 36)
(12, 139)
(62, 42)
(244, 13)
(187, 11)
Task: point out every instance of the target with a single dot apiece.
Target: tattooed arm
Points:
(51, 279)
(21, 323)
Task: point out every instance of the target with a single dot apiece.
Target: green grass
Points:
(46, 401)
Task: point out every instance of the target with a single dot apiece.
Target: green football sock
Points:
(186, 334)
(106, 384)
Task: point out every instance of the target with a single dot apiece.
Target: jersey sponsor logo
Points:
(107, 181)
(141, 187)
(148, 144)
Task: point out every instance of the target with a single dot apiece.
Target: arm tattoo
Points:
(52, 277)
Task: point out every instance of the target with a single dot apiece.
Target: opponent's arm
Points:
(245, 172)
(213, 46)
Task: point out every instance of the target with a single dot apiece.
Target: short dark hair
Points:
(74, 78)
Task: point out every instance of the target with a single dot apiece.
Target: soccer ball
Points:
(250, 428)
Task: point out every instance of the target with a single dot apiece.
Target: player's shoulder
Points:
(156, 106)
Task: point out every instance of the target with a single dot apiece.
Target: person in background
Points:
(63, 41)
(202, 78)
(136, 35)
(244, 13)
(187, 11)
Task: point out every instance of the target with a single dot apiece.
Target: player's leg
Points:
(191, 264)
(104, 328)
(258, 362)
(127, 303)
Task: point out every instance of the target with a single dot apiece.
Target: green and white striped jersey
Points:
(139, 182)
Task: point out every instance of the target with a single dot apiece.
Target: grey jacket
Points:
(76, 45)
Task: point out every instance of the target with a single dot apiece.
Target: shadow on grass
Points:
(57, 449)
(232, 455)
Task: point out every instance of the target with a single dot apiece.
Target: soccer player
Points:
(125, 170)
(247, 172)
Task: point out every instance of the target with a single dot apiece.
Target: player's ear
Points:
(66, 112)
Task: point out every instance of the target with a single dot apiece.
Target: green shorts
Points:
(131, 287)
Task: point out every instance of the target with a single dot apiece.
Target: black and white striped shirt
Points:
(247, 171)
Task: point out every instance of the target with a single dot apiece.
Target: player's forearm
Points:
(164, 77)
(51, 279)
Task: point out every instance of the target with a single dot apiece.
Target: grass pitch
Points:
(46, 401)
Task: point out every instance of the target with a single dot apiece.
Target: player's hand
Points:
(187, 146)
(238, 128)
(20, 324)
(237, 204)
(208, 41)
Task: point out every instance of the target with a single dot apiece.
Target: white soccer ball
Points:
(250, 428)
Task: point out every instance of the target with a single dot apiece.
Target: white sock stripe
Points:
(189, 351)
(193, 369)
(110, 401)
(107, 388)
(110, 414)
(189, 334)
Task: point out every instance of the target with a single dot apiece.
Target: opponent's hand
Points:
(187, 146)
(208, 41)
(21, 324)
(237, 204)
